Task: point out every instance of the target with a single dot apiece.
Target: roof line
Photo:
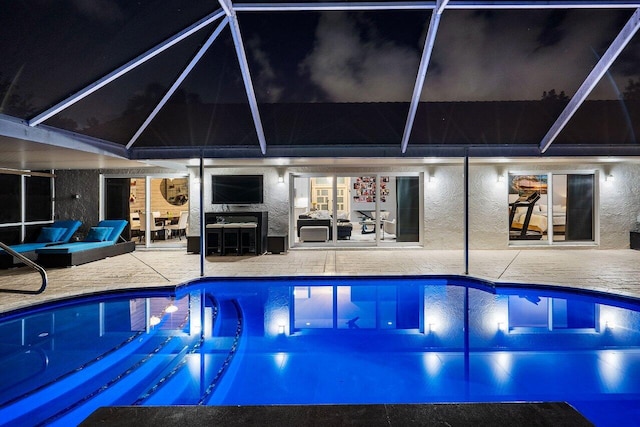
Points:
(428, 5)
(12, 127)
(422, 71)
(616, 47)
(279, 152)
(179, 80)
(141, 59)
(244, 69)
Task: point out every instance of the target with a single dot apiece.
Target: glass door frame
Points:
(147, 201)
(550, 239)
(334, 242)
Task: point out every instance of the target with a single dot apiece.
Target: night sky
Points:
(51, 49)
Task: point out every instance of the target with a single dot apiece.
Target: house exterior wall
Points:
(618, 205)
(618, 208)
(276, 197)
(84, 183)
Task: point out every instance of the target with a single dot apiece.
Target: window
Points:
(38, 206)
(552, 207)
(26, 201)
(10, 192)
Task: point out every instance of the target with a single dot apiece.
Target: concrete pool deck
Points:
(615, 271)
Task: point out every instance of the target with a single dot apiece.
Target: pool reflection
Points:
(324, 340)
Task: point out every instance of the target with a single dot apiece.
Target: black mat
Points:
(469, 414)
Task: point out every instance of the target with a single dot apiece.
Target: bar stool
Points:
(231, 238)
(214, 238)
(248, 237)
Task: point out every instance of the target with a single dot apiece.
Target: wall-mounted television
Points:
(236, 189)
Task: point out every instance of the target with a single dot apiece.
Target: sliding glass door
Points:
(552, 208)
(365, 209)
(157, 208)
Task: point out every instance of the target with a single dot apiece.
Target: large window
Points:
(551, 208)
(364, 209)
(10, 198)
(26, 200)
(38, 206)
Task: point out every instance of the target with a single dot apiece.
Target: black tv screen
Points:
(236, 189)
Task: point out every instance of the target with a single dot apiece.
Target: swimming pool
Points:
(320, 340)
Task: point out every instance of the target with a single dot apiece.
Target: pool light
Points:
(171, 308)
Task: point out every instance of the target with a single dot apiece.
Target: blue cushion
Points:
(118, 226)
(27, 247)
(69, 248)
(98, 234)
(69, 226)
(50, 234)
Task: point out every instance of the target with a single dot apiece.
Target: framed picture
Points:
(523, 184)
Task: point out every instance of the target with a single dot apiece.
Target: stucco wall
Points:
(86, 184)
(85, 208)
(619, 201)
(618, 204)
(276, 197)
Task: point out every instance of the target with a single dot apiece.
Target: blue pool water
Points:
(322, 340)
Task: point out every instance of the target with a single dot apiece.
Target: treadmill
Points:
(516, 233)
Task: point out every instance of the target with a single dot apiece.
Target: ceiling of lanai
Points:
(101, 83)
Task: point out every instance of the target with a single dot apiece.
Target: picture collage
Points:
(365, 189)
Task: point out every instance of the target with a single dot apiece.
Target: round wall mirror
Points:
(175, 190)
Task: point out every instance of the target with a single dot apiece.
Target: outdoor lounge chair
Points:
(100, 243)
(52, 234)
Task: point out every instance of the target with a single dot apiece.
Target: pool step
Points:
(126, 389)
(53, 399)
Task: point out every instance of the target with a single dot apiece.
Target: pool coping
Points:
(449, 414)
(502, 288)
